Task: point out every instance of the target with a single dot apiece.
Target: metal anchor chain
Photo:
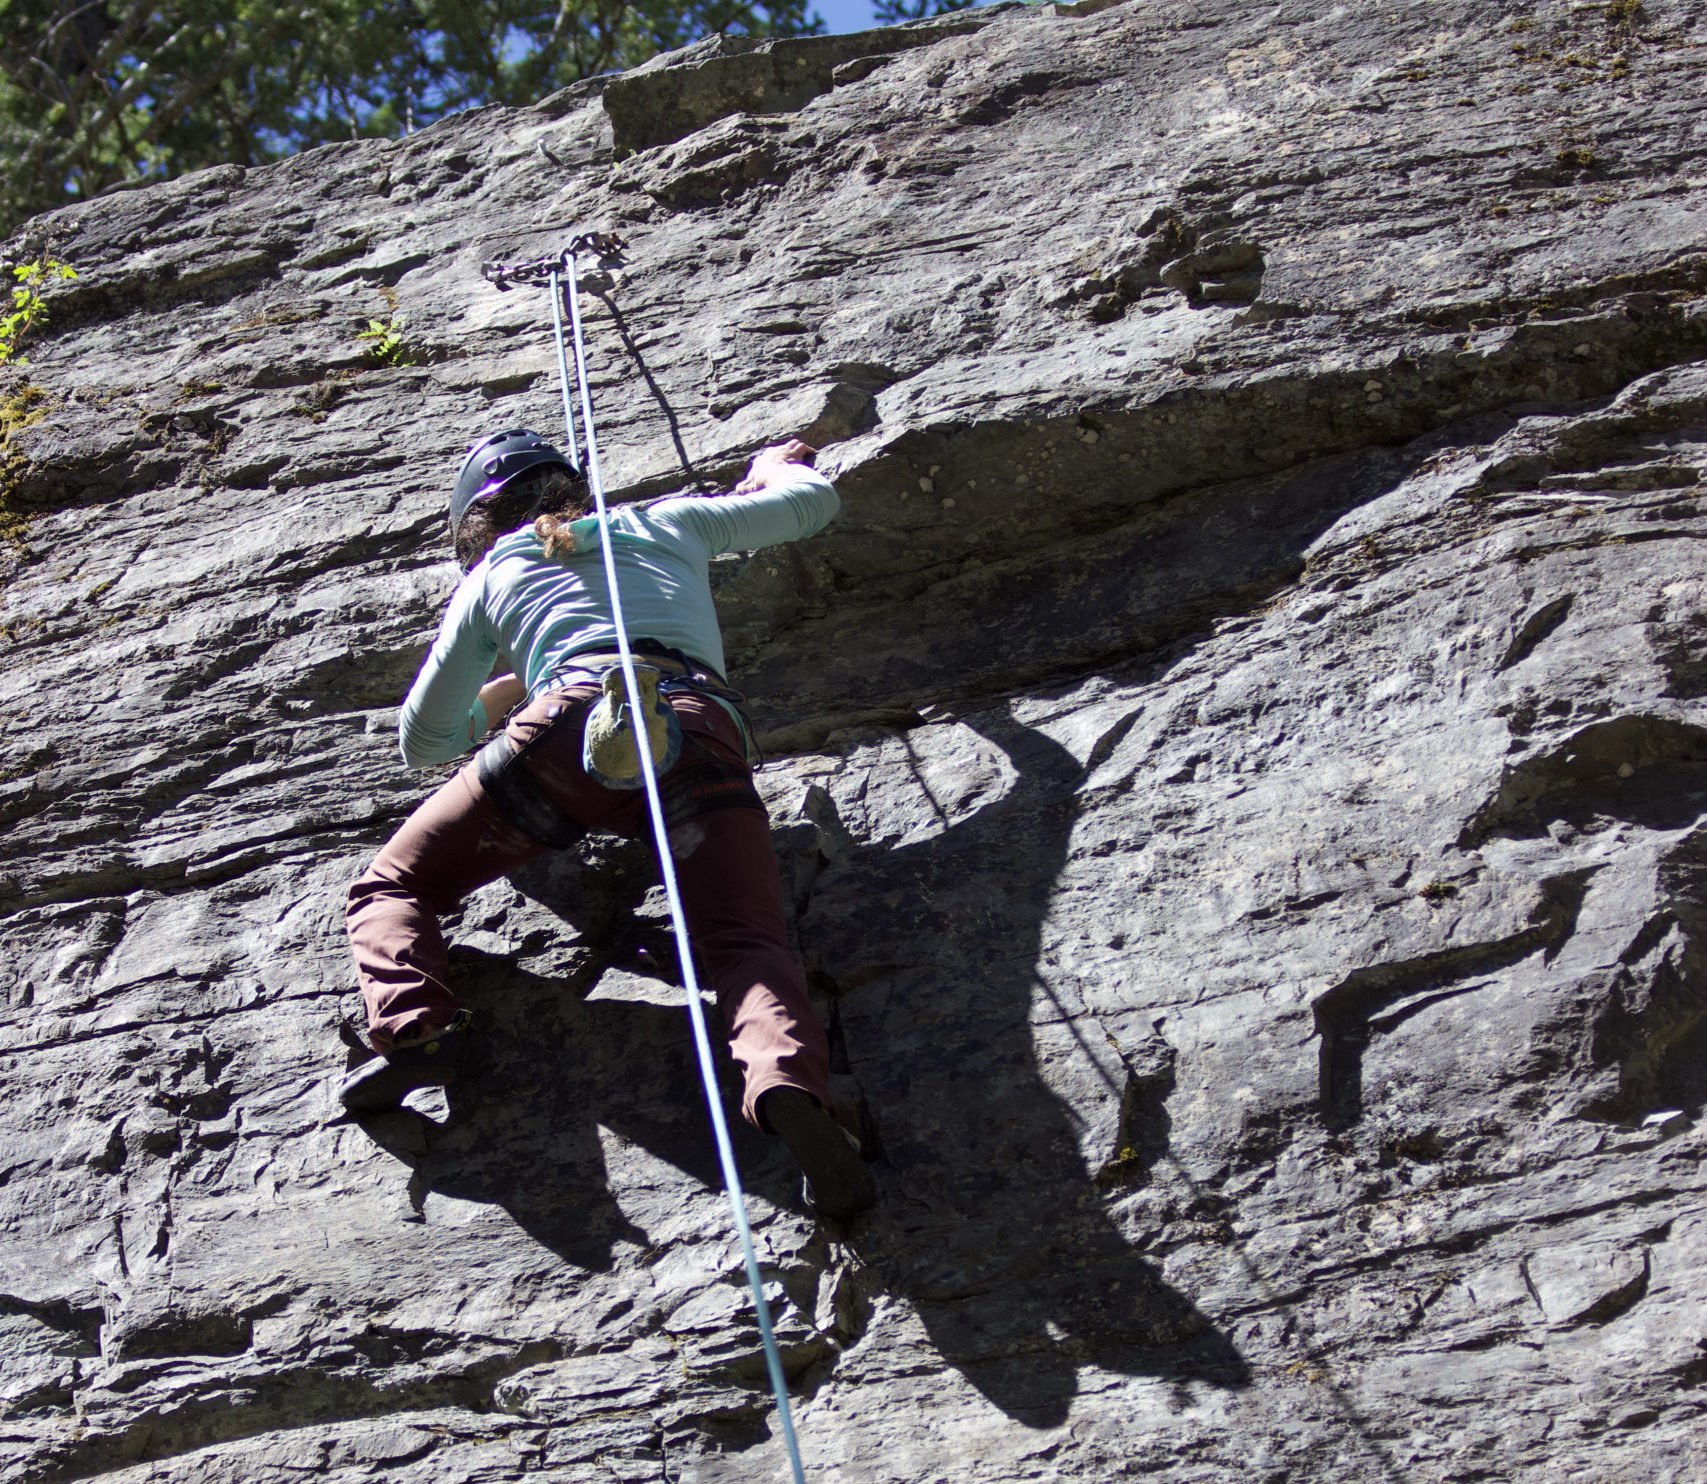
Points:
(607, 247)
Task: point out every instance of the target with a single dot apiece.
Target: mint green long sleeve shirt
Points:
(540, 610)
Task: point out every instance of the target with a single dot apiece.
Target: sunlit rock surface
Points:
(1238, 765)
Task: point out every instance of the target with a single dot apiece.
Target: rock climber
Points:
(535, 594)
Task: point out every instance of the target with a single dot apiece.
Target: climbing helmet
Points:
(495, 460)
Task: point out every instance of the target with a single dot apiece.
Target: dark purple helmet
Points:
(495, 460)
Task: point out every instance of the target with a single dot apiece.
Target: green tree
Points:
(96, 93)
(894, 12)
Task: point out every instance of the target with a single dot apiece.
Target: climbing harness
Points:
(561, 276)
(703, 780)
(499, 768)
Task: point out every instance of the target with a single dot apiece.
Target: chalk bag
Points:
(608, 750)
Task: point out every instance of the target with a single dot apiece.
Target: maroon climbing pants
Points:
(725, 865)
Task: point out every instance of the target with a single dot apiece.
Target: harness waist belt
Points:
(676, 667)
(598, 659)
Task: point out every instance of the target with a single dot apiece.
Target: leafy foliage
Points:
(894, 12)
(28, 308)
(385, 341)
(95, 93)
(22, 406)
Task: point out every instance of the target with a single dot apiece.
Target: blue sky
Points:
(844, 15)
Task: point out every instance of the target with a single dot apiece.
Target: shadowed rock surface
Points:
(1239, 766)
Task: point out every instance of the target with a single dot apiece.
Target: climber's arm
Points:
(498, 697)
(781, 499)
(443, 705)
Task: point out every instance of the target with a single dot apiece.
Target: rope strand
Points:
(678, 917)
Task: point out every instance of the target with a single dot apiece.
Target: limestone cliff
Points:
(1239, 765)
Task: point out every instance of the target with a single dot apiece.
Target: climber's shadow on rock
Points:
(990, 1224)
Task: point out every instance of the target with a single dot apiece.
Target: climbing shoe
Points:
(838, 1184)
(608, 750)
(380, 1085)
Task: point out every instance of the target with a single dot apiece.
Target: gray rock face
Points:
(1239, 766)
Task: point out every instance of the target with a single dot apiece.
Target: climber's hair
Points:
(551, 500)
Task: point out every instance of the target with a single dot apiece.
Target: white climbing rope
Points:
(660, 832)
(555, 281)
